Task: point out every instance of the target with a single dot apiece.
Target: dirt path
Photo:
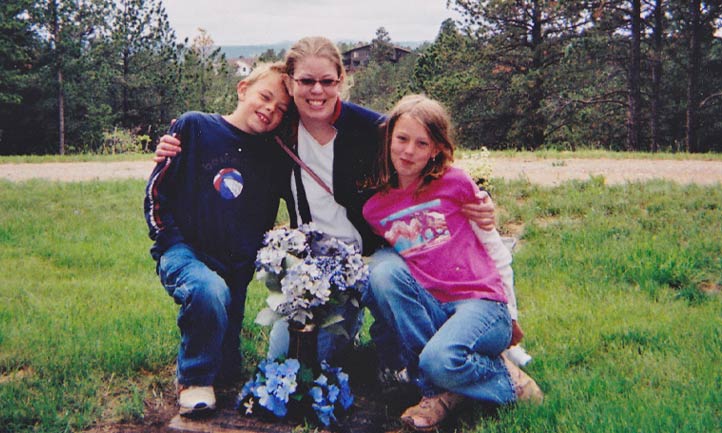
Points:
(548, 172)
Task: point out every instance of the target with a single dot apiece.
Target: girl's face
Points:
(315, 88)
(261, 105)
(411, 149)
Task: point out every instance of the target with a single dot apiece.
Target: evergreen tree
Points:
(382, 50)
(522, 44)
(207, 81)
(18, 58)
(143, 50)
(18, 49)
(70, 27)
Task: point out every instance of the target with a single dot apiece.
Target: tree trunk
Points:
(536, 94)
(656, 108)
(634, 94)
(693, 77)
(61, 112)
(125, 103)
(59, 67)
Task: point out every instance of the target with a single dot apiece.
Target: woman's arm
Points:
(169, 146)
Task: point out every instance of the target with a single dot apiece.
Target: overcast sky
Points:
(251, 22)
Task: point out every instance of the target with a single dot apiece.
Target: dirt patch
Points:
(552, 172)
(542, 171)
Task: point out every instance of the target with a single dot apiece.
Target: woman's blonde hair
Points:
(435, 119)
(317, 46)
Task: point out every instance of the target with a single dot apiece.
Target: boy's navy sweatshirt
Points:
(219, 195)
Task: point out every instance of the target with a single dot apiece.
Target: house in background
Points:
(359, 57)
(242, 66)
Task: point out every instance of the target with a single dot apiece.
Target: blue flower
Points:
(346, 397)
(324, 413)
(333, 393)
(316, 394)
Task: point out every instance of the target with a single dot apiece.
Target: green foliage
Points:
(122, 141)
(205, 79)
(17, 43)
(379, 85)
(618, 289)
(382, 50)
(523, 75)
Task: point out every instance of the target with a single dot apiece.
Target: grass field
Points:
(618, 287)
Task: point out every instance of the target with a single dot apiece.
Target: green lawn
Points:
(618, 290)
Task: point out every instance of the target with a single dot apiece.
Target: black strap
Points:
(301, 199)
(303, 165)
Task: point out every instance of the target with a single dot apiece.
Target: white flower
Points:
(310, 270)
(249, 406)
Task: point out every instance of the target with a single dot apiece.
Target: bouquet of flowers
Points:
(278, 385)
(308, 274)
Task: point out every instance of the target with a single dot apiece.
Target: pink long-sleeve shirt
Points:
(435, 239)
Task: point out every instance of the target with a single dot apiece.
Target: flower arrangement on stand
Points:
(480, 168)
(310, 277)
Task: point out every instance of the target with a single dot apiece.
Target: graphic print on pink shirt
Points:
(416, 227)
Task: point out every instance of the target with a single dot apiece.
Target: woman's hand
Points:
(481, 212)
(169, 146)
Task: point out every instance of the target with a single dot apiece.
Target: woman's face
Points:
(411, 149)
(315, 88)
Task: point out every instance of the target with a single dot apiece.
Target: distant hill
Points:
(235, 51)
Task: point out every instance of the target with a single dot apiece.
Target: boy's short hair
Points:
(263, 70)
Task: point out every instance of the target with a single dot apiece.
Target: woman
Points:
(339, 142)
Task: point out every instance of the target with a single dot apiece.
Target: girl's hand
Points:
(169, 146)
(516, 333)
(481, 212)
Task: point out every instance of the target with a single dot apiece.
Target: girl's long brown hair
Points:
(435, 119)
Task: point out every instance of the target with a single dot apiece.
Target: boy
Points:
(207, 210)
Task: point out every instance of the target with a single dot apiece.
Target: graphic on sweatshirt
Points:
(229, 183)
(416, 227)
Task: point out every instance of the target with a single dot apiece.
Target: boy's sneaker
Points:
(196, 400)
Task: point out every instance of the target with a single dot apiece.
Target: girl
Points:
(449, 311)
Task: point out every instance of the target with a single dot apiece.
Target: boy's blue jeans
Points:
(210, 316)
(453, 346)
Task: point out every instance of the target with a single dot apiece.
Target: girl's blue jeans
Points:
(210, 315)
(452, 346)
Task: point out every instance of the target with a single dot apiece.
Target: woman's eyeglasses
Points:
(310, 82)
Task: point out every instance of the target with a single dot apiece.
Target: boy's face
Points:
(261, 105)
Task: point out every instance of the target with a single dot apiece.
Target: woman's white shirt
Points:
(328, 216)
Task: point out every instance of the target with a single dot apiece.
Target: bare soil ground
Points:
(543, 171)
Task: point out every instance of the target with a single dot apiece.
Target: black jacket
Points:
(356, 149)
